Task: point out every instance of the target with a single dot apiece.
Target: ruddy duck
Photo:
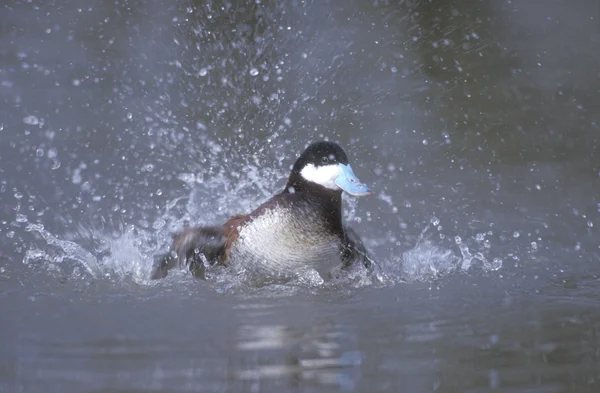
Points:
(300, 227)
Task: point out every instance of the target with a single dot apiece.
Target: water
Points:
(476, 123)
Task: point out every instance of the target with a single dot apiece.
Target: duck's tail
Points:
(189, 248)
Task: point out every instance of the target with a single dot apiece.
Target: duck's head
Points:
(325, 164)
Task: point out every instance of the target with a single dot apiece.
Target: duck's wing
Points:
(231, 234)
(187, 248)
(353, 249)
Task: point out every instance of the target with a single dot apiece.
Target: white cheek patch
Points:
(322, 175)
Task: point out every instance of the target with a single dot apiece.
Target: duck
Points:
(300, 227)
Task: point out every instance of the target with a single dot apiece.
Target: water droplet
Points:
(18, 195)
(590, 224)
(534, 246)
(494, 378)
(457, 240)
(253, 72)
(435, 221)
(39, 152)
(31, 120)
(76, 178)
(425, 142)
(516, 234)
(159, 192)
(159, 224)
(203, 72)
(76, 82)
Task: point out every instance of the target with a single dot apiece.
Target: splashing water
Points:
(127, 255)
(63, 250)
(426, 262)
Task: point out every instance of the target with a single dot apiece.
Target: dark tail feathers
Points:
(188, 248)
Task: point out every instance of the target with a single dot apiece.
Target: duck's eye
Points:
(324, 160)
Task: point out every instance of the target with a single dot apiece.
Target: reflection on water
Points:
(453, 338)
(321, 354)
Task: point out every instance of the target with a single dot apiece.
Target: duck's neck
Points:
(328, 200)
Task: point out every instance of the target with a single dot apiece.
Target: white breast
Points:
(281, 242)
